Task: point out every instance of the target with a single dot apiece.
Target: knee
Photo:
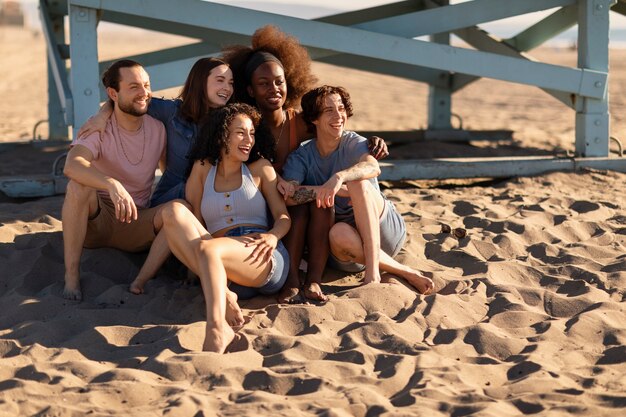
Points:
(343, 236)
(207, 249)
(175, 211)
(359, 187)
(77, 192)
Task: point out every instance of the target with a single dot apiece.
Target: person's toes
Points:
(72, 295)
(314, 292)
(290, 296)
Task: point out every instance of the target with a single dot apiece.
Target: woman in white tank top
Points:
(247, 254)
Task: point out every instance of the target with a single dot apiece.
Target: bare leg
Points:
(350, 244)
(212, 260)
(368, 205)
(294, 243)
(317, 242)
(346, 245)
(80, 203)
(159, 251)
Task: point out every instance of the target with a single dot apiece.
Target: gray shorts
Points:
(392, 238)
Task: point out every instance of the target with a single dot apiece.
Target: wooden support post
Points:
(57, 128)
(440, 98)
(84, 72)
(592, 121)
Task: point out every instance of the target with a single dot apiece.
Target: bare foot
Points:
(422, 284)
(72, 291)
(234, 315)
(369, 279)
(290, 295)
(217, 338)
(136, 287)
(313, 292)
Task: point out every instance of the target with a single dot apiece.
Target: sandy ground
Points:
(528, 317)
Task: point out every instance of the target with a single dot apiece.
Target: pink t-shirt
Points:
(129, 157)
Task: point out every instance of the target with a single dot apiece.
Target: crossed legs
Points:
(362, 244)
(214, 261)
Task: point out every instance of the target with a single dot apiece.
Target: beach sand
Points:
(528, 318)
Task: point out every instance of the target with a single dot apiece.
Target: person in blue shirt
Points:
(336, 170)
(209, 85)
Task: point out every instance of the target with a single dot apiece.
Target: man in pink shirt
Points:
(111, 176)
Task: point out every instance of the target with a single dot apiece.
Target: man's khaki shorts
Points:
(105, 231)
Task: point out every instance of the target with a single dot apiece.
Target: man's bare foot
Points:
(217, 338)
(290, 295)
(136, 287)
(313, 291)
(371, 278)
(422, 283)
(72, 291)
(234, 315)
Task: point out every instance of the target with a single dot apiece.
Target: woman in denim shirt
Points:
(209, 85)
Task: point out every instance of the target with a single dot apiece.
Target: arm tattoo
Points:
(303, 195)
(360, 171)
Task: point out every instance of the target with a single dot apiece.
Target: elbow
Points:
(377, 170)
(68, 169)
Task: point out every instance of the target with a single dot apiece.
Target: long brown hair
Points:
(195, 102)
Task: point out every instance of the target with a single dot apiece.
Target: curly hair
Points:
(195, 102)
(213, 135)
(294, 58)
(313, 103)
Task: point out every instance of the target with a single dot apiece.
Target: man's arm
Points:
(366, 168)
(79, 168)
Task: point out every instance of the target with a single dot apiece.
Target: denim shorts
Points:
(277, 275)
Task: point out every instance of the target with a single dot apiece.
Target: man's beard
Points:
(129, 108)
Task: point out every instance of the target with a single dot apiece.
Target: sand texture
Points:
(528, 319)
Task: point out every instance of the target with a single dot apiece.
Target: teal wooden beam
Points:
(58, 85)
(544, 30)
(440, 97)
(84, 74)
(372, 13)
(411, 72)
(359, 42)
(491, 167)
(592, 122)
(483, 41)
(457, 16)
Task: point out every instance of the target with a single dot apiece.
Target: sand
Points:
(528, 317)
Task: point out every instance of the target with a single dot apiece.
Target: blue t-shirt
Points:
(306, 166)
(180, 137)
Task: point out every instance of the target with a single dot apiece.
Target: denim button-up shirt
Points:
(180, 137)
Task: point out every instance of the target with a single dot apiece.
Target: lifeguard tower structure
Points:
(379, 39)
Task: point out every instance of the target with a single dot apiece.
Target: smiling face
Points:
(219, 86)
(134, 91)
(268, 86)
(240, 139)
(332, 119)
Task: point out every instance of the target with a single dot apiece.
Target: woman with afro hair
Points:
(273, 73)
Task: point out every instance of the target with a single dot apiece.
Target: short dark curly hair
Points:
(313, 103)
(213, 135)
(294, 58)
